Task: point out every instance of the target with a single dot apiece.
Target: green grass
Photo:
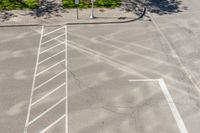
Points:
(32, 4)
(98, 3)
(15, 4)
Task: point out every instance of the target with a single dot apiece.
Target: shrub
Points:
(17, 4)
(86, 3)
(31, 3)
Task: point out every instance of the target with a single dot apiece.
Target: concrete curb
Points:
(81, 23)
(112, 22)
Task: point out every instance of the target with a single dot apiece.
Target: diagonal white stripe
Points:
(52, 39)
(46, 111)
(48, 81)
(51, 48)
(175, 112)
(51, 92)
(52, 124)
(53, 31)
(33, 84)
(50, 67)
(51, 57)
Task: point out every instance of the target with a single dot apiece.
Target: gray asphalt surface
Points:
(105, 62)
(101, 59)
(18, 53)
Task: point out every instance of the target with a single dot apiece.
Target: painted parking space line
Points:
(46, 111)
(37, 75)
(51, 57)
(175, 54)
(58, 63)
(66, 78)
(51, 47)
(33, 84)
(179, 121)
(43, 43)
(142, 80)
(173, 107)
(51, 92)
(109, 60)
(53, 31)
(51, 125)
(47, 81)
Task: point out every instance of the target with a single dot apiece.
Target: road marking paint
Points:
(175, 112)
(156, 72)
(52, 39)
(142, 80)
(66, 90)
(169, 99)
(53, 31)
(48, 80)
(189, 75)
(113, 62)
(28, 121)
(51, 92)
(51, 48)
(129, 51)
(51, 57)
(33, 83)
(52, 124)
(50, 67)
(46, 111)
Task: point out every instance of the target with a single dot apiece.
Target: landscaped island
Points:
(33, 4)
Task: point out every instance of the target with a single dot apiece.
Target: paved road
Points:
(105, 61)
(18, 54)
(140, 77)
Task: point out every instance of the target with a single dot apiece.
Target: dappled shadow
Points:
(47, 8)
(5, 15)
(160, 7)
(99, 92)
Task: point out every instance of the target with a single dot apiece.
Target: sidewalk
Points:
(59, 17)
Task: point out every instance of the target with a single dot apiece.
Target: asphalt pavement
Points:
(139, 77)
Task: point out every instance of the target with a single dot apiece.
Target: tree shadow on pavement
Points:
(5, 15)
(47, 9)
(160, 7)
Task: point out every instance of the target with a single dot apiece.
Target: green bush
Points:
(98, 3)
(31, 3)
(17, 4)
(107, 3)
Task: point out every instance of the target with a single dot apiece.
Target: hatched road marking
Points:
(37, 74)
(173, 108)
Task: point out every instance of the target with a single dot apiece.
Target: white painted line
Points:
(189, 75)
(53, 31)
(175, 112)
(52, 39)
(46, 111)
(51, 48)
(111, 61)
(168, 97)
(66, 90)
(52, 124)
(127, 51)
(33, 83)
(51, 92)
(125, 67)
(48, 80)
(142, 80)
(50, 57)
(50, 67)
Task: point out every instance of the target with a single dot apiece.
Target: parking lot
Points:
(139, 77)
